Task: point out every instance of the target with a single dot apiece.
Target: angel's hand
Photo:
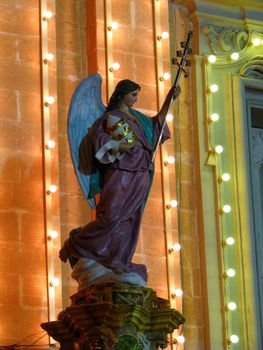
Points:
(124, 147)
(176, 91)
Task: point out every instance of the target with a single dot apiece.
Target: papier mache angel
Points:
(111, 149)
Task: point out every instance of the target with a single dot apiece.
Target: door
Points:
(255, 132)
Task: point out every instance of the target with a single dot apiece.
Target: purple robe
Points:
(112, 237)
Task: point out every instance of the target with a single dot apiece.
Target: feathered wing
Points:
(86, 107)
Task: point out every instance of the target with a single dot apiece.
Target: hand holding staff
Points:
(175, 90)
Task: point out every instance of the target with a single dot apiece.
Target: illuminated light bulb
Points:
(212, 58)
(53, 234)
(177, 293)
(113, 26)
(225, 177)
(47, 15)
(230, 241)
(51, 144)
(52, 189)
(213, 88)
(231, 306)
(164, 35)
(177, 247)
(115, 66)
(170, 160)
(219, 149)
(214, 117)
(180, 339)
(230, 272)
(166, 76)
(226, 208)
(172, 204)
(256, 42)
(169, 117)
(235, 56)
(234, 339)
(50, 100)
(54, 282)
(48, 58)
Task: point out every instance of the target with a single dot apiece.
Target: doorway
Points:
(255, 139)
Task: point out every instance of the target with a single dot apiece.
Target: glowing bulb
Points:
(219, 149)
(53, 234)
(54, 282)
(231, 306)
(166, 76)
(231, 272)
(213, 88)
(169, 117)
(230, 241)
(226, 208)
(225, 177)
(49, 57)
(172, 204)
(256, 42)
(177, 247)
(52, 189)
(212, 58)
(170, 160)
(235, 56)
(165, 35)
(234, 339)
(115, 66)
(47, 15)
(180, 339)
(51, 144)
(214, 117)
(177, 293)
(50, 100)
(113, 26)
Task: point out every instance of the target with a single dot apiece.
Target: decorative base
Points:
(114, 317)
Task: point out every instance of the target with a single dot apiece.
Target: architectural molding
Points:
(253, 68)
(222, 40)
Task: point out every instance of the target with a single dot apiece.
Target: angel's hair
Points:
(123, 88)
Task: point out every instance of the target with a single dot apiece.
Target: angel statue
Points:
(111, 150)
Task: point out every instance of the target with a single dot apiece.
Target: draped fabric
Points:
(112, 237)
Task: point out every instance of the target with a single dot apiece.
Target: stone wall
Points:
(23, 296)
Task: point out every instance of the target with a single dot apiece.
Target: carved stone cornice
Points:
(224, 40)
(110, 316)
(253, 68)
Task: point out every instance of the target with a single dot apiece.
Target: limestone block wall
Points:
(71, 69)
(196, 336)
(23, 292)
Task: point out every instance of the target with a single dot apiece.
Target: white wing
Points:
(86, 107)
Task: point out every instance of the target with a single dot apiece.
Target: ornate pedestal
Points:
(114, 317)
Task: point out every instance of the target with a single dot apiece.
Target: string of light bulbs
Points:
(228, 250)
(50, 188)
(167, 160)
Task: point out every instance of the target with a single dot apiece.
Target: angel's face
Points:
(131, 98)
